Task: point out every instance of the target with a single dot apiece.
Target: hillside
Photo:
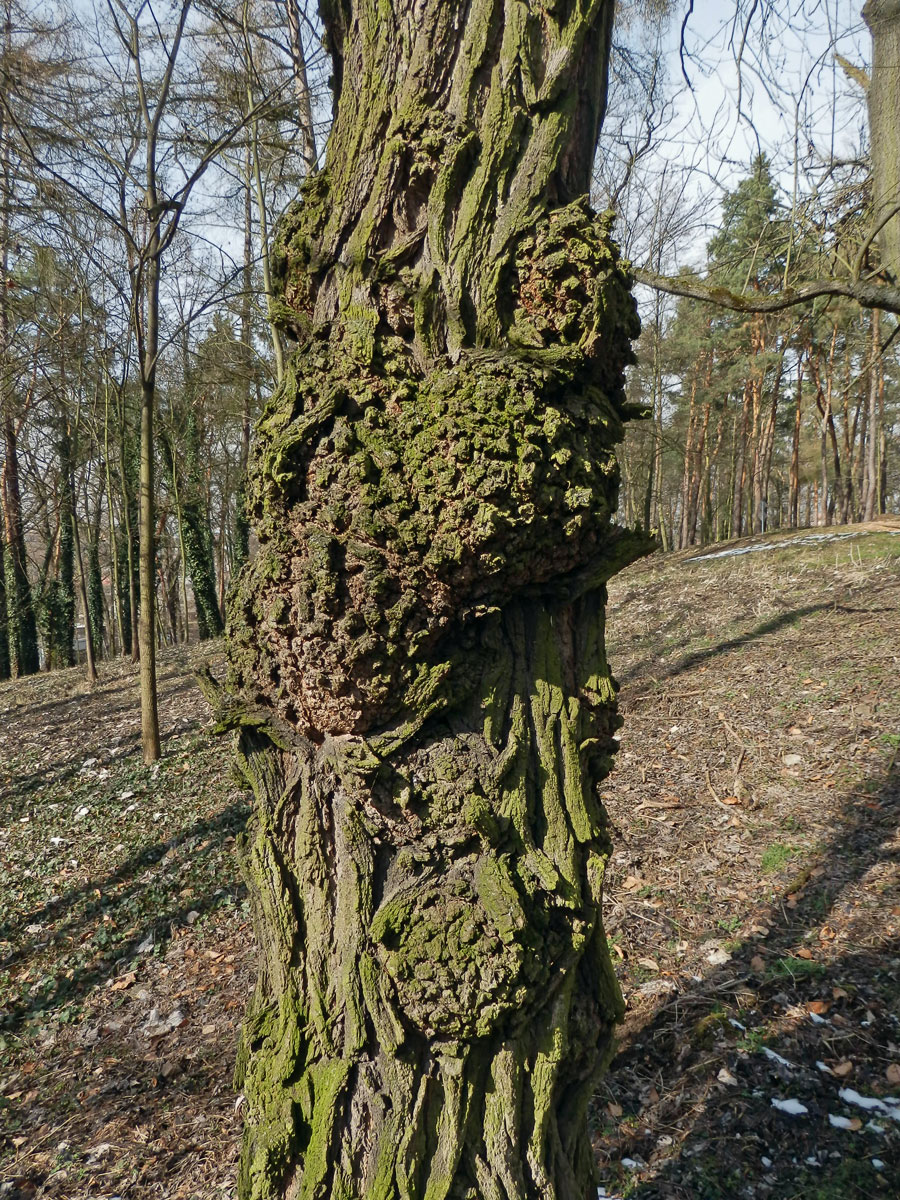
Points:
(753, 904)
(754, 901)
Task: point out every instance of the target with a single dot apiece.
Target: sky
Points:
(784, 89)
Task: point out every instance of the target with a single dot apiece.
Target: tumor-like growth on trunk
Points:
(418, 670)
(395, 501)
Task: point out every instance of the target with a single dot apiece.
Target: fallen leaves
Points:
(649, 964)
(123, 982)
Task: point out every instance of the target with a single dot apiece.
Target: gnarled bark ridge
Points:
(417, 658)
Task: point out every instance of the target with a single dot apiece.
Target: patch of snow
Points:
(82, 812)
(889, 1105)
(631, 1164)
(156, 1026)
(792, 1107)
(718, 957)
(657, 987)
(824, 1068)
(766, 1161)
(770, 1054)
(839, 1122)
(808, 540)
(817, 1020)
(877, 1164)
(737, 1024)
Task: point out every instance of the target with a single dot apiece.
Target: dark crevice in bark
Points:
(418, 673)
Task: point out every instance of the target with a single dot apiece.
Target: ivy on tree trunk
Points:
(418, 673)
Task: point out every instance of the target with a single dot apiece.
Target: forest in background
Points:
(145, 158)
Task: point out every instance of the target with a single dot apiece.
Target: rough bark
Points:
(417, 660)
(883, 19)
(20, 605)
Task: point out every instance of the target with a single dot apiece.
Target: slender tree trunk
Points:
(700, 477)
(794, 494)
(24, 642)
(742, 430)
(255, 168)
(301, 87)
(149, 342)
(128, 542)
(241, 549)
(687, 474)
(90, 658)
(417, 663)
(95, 586)
(22, 623)
(766, 446)
(870, 484)
(5, 657)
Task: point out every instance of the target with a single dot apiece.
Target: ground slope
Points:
(753, 908)
(755, 897)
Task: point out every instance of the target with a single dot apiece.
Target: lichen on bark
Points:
(418, 673)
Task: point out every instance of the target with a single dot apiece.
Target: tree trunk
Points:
(20, 606)
(417, 660)
(875, 377)
(194, 532)
(147, 328)
(883, 19)
(5, 657)
(89, 657)
(794, 494)
(301, 87)
(762, 470)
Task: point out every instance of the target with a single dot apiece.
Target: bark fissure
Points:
(418, 673)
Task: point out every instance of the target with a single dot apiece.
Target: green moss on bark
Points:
(418, 673)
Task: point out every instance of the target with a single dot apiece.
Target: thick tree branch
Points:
(867, 294)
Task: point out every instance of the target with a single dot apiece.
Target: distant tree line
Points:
(143, 161)
(765, 420)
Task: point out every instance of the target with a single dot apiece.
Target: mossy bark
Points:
(95, 591)
(193, 517)
(418, 673)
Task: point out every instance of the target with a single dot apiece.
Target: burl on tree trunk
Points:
(417, 655)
